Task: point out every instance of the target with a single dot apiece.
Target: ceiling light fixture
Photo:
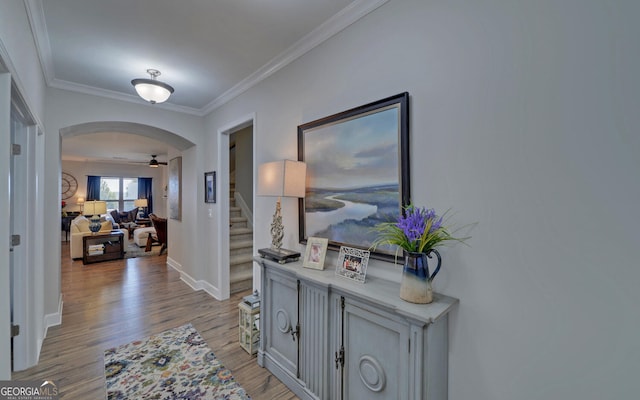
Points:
(153, 163)
(152, 90)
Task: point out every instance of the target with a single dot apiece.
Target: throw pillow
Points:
(106, 226)
(133, 214)
(129, 216)
(116, 216)
(82, 224)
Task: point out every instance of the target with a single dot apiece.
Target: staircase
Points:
(240, 247)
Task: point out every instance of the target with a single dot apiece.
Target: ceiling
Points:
(209, 50)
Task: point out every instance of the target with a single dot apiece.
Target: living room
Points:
(523, 120)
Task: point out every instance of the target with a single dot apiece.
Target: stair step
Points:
(241, 277)
(240, 234)
(241, 244)
(239, 259)
(240, 247)
(240, 274)
(238, 222)
(241, 286)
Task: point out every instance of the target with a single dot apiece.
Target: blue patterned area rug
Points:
(176, 364)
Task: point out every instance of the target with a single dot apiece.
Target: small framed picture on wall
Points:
(315, 253)
(210, 187)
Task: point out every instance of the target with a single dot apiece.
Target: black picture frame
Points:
(210, 187)
(357, 173)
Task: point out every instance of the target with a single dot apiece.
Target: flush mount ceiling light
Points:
(152, 90)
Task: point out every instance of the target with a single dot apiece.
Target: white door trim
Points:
(223, 191)
(5, 300)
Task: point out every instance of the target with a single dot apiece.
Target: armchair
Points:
(160, 225)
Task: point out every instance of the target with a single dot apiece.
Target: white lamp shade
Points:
(284, 178)
(80, 200)
(95, 207)
(140, 203)
(152, 92)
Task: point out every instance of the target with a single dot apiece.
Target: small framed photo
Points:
(210, 187)
(352, 263)
(315, 253)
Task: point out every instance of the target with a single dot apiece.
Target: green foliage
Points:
(418, 230)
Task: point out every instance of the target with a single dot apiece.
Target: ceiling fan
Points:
(153, 163)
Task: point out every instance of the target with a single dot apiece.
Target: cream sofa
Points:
(80, 228)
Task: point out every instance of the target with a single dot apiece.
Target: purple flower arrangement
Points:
(417, 230)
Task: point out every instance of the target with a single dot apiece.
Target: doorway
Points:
(241, 209)
(236, 159)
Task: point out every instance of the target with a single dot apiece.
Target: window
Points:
(119, 193)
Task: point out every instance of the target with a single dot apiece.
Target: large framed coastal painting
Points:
(357, 173)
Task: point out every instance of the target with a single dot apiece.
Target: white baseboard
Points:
(197, 284)
(174, 264)
(50, 320)
(54, 319)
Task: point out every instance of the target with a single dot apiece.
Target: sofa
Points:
(80, 228)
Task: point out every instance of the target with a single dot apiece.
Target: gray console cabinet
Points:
(327, 337)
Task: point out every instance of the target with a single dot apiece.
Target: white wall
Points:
(66, 109)
(524, 118)
(21, 54)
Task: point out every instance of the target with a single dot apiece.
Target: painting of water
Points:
(355, 172)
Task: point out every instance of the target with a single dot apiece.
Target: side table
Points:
(102, 247)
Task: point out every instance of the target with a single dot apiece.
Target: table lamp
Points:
(141, 203)
(284, 178)
(94, 209)
(80, 202)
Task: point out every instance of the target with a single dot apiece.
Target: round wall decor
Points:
(69, 186)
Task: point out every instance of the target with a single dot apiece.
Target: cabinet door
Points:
(376, 354)
(314, 358)
(280, 305)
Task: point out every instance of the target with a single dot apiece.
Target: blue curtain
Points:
(93, 188)
(145, 191)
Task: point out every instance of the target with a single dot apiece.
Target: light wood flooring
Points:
(112, 303)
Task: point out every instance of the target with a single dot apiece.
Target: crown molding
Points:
(110, 94)
(19, 96)
(35, 13)
(347, 16)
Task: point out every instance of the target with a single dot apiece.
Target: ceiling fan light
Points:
(152, 90)
(153, 163)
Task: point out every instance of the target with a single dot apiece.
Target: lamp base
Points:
(95, 225)
(281, 256)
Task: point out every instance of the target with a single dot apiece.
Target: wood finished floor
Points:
(112, 303)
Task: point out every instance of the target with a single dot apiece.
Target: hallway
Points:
(112, 303)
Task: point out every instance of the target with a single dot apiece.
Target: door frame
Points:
(5, 299)
(223, 278)
(27, 284)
